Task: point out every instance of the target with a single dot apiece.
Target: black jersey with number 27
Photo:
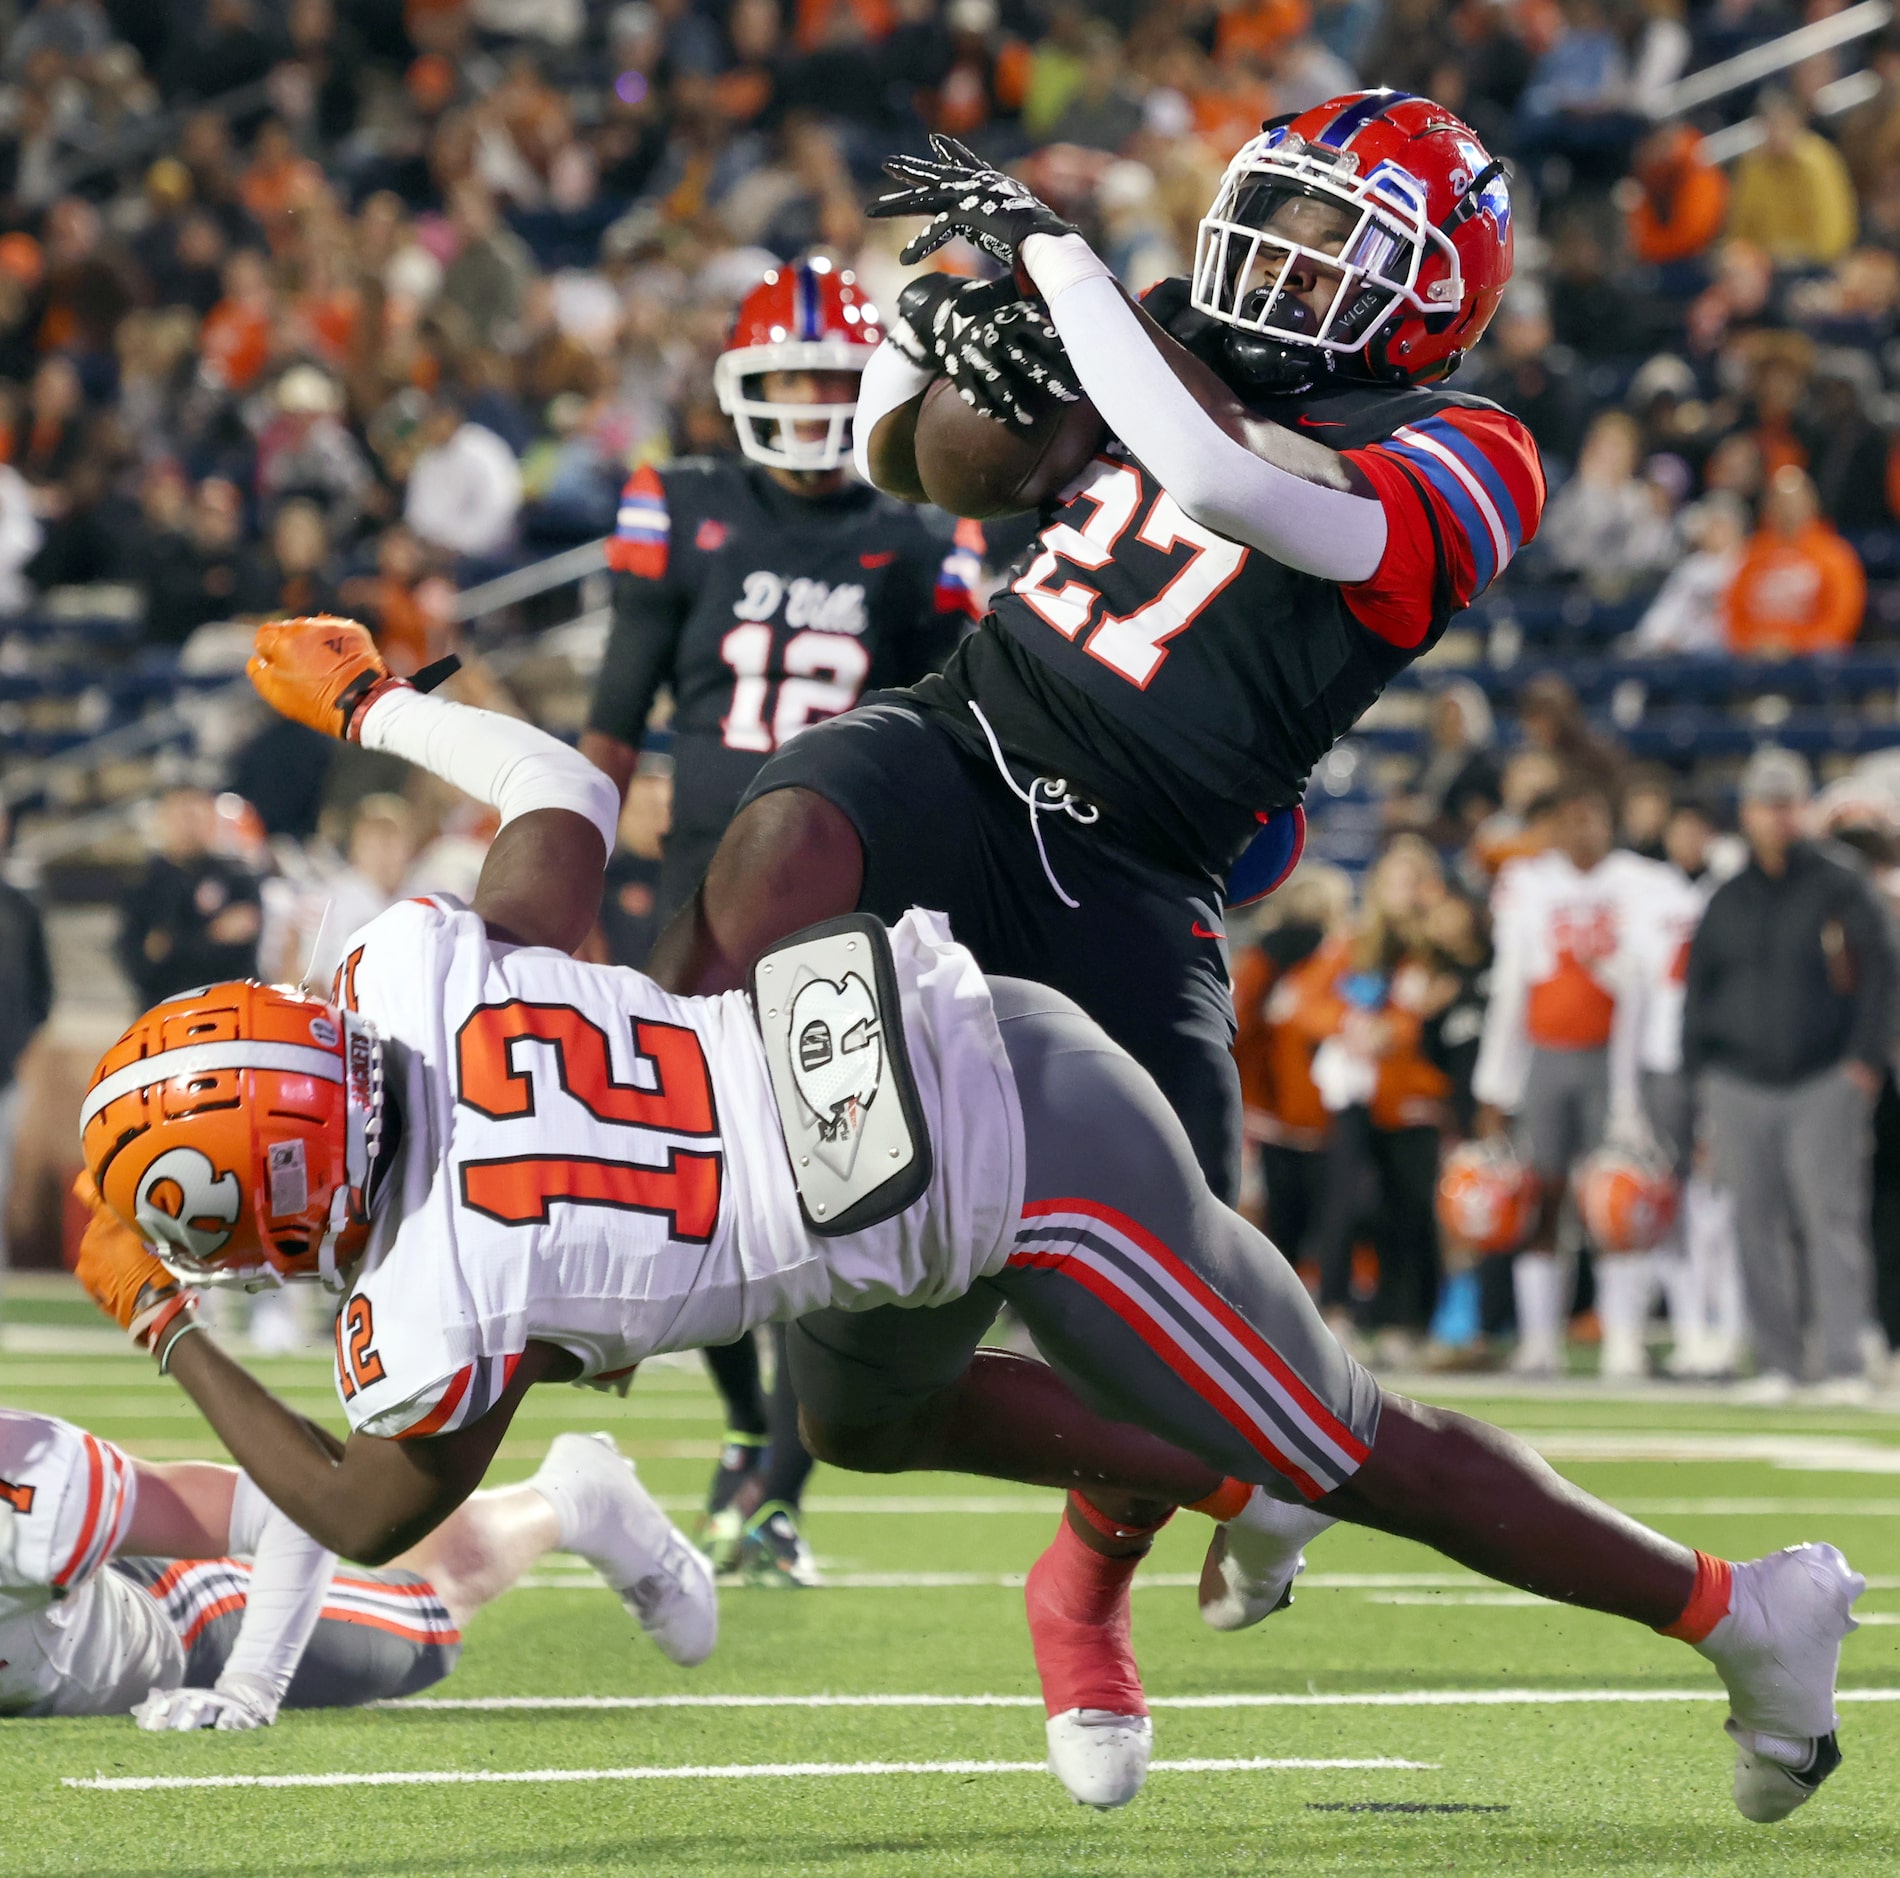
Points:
(1188, 684)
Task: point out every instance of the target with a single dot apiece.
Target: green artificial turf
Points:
(1524, 1787)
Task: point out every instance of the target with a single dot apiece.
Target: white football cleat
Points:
(1253, 1559)
(1099, 1755)
(1778, 1651)
(609, 1519)
(1774, 1776)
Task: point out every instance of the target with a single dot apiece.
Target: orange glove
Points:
(132, 1287)
(321, 672)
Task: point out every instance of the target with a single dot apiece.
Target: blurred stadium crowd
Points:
(356, 305)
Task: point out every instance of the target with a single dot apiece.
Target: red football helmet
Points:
(808, 317)
(1487, 1197)
(1389, 192)
(1627, 1197)
(235, 1130)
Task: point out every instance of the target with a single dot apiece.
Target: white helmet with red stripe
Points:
(1627, 1194)
(1487, 1197)
(808, 317)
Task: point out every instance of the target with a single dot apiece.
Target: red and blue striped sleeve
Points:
(1463, 490)
(961, 573)
(642, 530)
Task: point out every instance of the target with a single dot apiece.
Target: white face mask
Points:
(769, 431)
(1285, 210)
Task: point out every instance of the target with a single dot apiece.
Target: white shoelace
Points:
(1044, 793)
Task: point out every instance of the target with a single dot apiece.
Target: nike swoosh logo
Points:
(878, 560)
(1205, 932)
(1319, 423)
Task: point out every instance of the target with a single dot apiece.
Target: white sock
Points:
(606, 1516)
(1267, 1520)
(1623, 1294)
(1537, 1281)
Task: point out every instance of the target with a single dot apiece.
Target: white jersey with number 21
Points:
(588, 1161)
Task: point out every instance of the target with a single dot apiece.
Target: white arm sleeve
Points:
(509, 765)
(889, 380)
(290, 1573)
(1219, 483)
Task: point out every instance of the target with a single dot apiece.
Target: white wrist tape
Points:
(888, 381)
(498, 760)
(1054, 262)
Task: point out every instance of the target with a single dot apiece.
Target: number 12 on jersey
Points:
(518, 1190)
(1132, 645)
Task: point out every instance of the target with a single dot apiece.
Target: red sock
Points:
(1079, 1624)
(1708, 1602)
(1227, 1501)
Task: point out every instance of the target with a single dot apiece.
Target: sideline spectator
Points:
(1682, 198)
(1460, 781)
(1790, 1022)
(1792, 194)
(193, 916)
(1689, 613)
(1274, 981)
(1606, 526)
(464, 487)
(1800, 587)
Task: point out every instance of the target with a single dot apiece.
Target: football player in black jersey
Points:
(767, 593)
(1289, 508)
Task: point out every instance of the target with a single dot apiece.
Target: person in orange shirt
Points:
(1386, 1099)
(1800, 587)
(1684, 197)
(1275, 982)
(234, 344)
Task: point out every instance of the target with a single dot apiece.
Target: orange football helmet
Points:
(236, 1129)
(1487, 1197)
(1627, 1197)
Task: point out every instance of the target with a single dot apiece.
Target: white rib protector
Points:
(1217, 482)
(498, 760)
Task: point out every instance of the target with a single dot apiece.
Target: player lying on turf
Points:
(177, 1591)
(528, 1169)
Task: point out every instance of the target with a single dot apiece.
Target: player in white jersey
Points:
(175, 1591)
(1558, 1053)
(1697, 1264)
(531, 1170)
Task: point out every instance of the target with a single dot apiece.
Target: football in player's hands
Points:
(981, 466)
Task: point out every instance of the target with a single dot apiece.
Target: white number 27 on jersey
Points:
(1132, 645)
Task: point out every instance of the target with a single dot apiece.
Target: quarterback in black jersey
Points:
(770, 592)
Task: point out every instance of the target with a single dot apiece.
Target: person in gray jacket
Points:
(1789, 1023)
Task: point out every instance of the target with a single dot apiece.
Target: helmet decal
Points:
(237, 1129)
(186, 1203)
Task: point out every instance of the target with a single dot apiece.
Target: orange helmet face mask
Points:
(236, 1130)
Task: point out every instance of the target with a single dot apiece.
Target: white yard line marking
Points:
(773, 1770)
(583, 1578)
(1354, 1698)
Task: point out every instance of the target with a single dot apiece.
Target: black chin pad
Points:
(1270, 366)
